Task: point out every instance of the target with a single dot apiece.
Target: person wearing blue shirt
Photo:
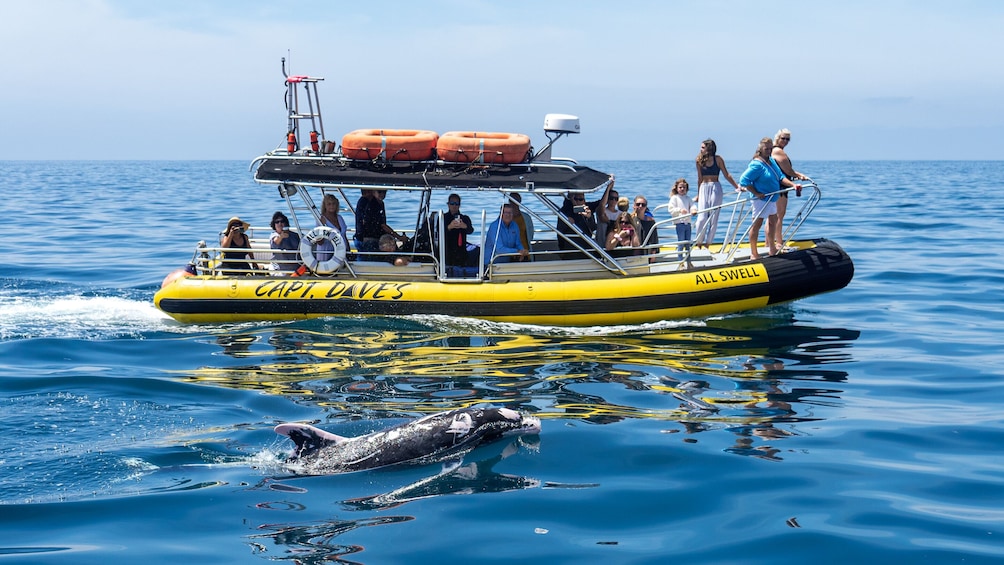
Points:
(763, 179)
(286, 244)
(503, 238)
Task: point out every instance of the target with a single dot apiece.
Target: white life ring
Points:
(309, 251)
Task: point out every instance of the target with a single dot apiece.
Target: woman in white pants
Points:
(709, 195)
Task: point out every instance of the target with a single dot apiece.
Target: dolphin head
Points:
(511, 422)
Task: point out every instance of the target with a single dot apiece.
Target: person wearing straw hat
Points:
(234, 237)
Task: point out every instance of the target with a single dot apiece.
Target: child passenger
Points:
(681, 208)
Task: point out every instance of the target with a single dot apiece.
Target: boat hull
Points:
(635, 299)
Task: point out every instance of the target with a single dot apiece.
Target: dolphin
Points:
(431, 438)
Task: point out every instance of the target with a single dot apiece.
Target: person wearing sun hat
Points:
(234, 262)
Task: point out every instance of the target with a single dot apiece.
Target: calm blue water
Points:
(858, 426)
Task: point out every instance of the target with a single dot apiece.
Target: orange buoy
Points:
(483, 147)
(291, 143)
(175, 275)
(313, 142)
(389, 144)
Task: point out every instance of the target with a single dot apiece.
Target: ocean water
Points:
(858, 426)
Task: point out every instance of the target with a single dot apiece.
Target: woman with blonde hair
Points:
(331, 218)
(780, 158)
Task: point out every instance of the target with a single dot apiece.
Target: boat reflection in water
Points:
(745, 374)
(754, 377)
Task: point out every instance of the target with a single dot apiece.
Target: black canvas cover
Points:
(429, 174)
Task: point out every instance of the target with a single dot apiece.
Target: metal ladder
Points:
(295, 137)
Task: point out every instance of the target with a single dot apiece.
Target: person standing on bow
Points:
(458, 227)
(780, 158)
(762, 179)
(709, 166)
(681, 207)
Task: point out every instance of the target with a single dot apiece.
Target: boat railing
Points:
(741, 221)
(546, 255)
(802, 214)
(210, 261)
(664, 247)
(740, 225)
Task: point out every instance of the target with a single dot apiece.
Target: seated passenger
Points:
(287, 242)
(235, 262)
(389, 245)
(606, 217)
(646, 220)
(524, 222)
(625, 234)
(583, 224)
(331, 218)
(371, 223)
(503, 238)
(458, 227)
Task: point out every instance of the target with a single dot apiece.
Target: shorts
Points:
(764, 208)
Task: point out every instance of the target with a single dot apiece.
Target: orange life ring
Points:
(389, 144)
(482, 147)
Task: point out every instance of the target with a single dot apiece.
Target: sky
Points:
(202, 79)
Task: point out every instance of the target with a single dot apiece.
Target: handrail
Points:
(661, 250)
(608, 262)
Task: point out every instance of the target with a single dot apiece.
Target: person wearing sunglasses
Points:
(646, 221)
(285, 243)
(625, 234)
(581, 215)
(458, 227)
(780, 158)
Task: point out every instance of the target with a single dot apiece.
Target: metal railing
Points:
(545, 254)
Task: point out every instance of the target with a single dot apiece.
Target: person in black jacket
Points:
(458, 227)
